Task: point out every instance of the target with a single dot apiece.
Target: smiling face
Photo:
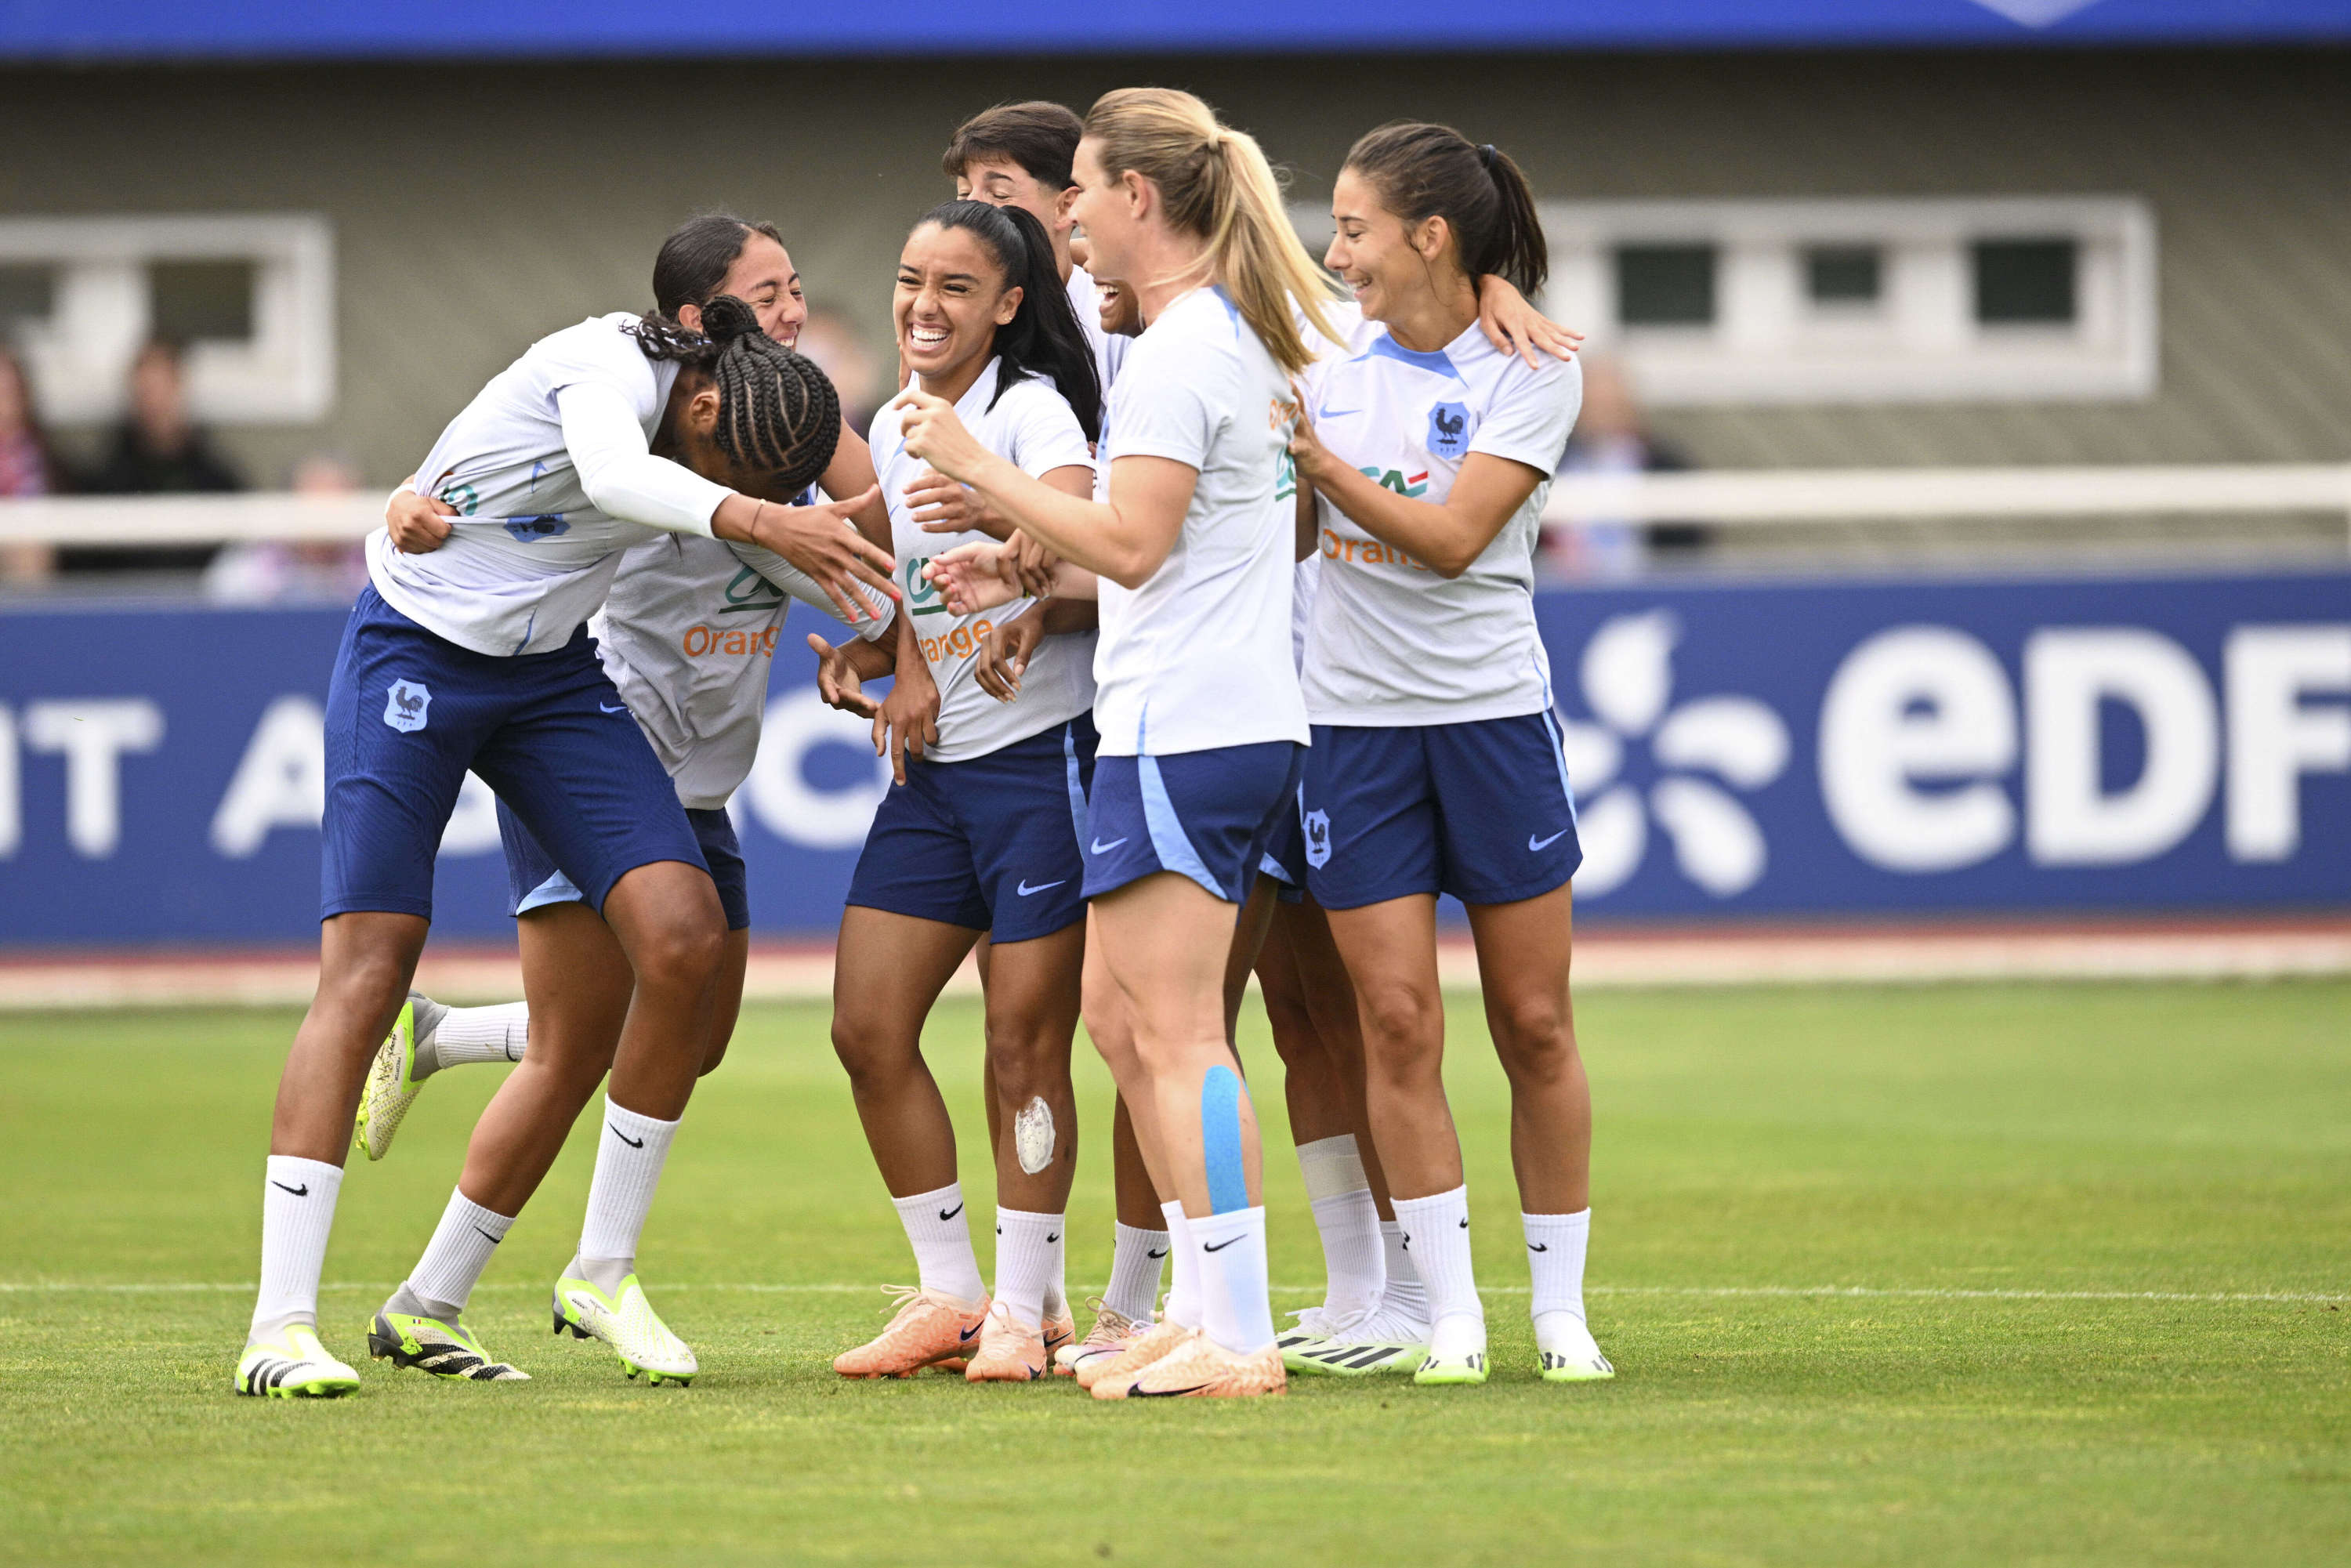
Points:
(762, 277)
(1001, 183)
(1388, 264)
(952, 296)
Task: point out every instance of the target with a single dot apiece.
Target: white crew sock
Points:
(628, 1159)
(460, 1249)
(481, 1034)
(1355, 1268)
(1556, 1249)
(1057, 1283)
(1183, 1295)
(1136, 1263)
(1437, 1232)
(1025, 1244)
(298, 1215)
(940, 1234)
(1405, 1296)
(1236, 1310)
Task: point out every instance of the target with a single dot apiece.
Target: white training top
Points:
(1198, 657)
(1031, 428)
(688, 636)
(1110, 351)
(1391, 642)
(551, 474)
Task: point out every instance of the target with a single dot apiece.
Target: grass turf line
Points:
(2017, 1149)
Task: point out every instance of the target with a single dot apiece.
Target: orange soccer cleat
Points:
(1110, 1378)
(1010, 1350)
(929, 1326)
(1202, 1369)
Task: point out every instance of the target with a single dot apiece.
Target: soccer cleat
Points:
(293, 1364)
(1467, 1368)
(626, 1320)
(444, 1347)
(1010, 1350)
(1111, 1377)
(1572, 1355)
(1383, 1341)
(1200, 1368)
(929, 1327)
(1316, 1327)
(393, 1081)
(1058, 1333)
(1112, 1332)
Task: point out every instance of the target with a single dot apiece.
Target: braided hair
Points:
(777, 413)
(1043, 338)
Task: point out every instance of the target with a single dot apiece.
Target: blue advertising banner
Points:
(1739, 750)
(282, 30)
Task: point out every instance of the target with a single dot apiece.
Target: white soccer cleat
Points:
(1568, 1352)
(1112, 1333)
(1316, 1327)
(626, 1320)
(292, 1365)
(393, 1081)
(1384, 1340)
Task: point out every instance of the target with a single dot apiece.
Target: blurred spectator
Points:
(1612, 438)
(27, 467)
(269, 571)
(160, 450)
(830, 340)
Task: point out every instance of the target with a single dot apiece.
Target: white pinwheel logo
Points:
(1627, 677)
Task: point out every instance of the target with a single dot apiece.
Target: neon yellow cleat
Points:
(442, 1346)
(626, 1320)
(293, 1364)
(393, 1081)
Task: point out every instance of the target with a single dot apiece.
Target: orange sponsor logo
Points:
(1366, 552)
(960, 644)
(729, 643)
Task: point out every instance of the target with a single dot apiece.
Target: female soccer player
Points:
(979, 833)
(1436, 764)
(477, 657)
(686, 637)
(1200, 721)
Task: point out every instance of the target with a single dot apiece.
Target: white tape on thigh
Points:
(1033, 1135)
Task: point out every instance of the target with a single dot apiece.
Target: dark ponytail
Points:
(1424, 172)
(777, 412)
(1043, 338)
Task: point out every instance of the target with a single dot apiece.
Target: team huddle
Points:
(1203, 586)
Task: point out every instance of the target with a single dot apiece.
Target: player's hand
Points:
(418, 524)
(838, 681)
(932, 431)
(1306, 448)
(1032, 565)
(1514, 326)
(975, 577)
(940, 505)
(1005, 654)
(908, 718)
(822, 541)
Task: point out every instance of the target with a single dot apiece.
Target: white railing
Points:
(1733, 498)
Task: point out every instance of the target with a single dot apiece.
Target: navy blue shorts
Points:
(1208, 815)
(534, 881)
(1285, 853)
(1481, 810)
(990, 844)
(408, 713)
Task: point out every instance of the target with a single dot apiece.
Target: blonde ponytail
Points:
(1218, 185)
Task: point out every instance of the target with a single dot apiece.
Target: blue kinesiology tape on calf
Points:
(1220, 1140)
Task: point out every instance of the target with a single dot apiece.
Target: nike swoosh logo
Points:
(1337, 413)
(602, 708)
(971, 1331)
(1164, 1393)
(1156, 1252)
(1027, 892)
(1407, 1240)
(1051, 1239)
(632, 1142)
(485, 1236)
(1465, 1225)
(1538, 1246)
(1103, 849)
(1221, 1246)
(1534, 844)
(947, 1214)
(302, 1191)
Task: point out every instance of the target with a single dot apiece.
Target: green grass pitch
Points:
(2102, 1238)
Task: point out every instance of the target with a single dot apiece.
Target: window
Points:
(1665, 285)
(2024, 280)
(1842, 276)
(252, 296)
(1864, 299)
